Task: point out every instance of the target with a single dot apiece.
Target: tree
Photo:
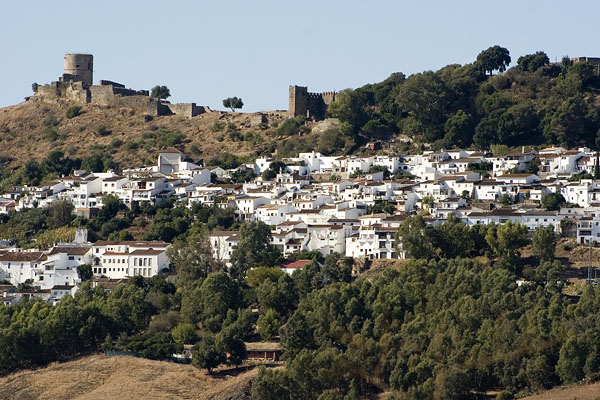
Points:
(254, 249)
(217, 294)
(571, 361)
(60, 213)
(233, 103)
(348, 107)
(193, 259)
(160, 92)
(230, 343)
(543, 243)
(553, 201)
(207, 355)
(268, 324)
(453, 238)
(85, 272)
(567, 125)
(415, 238)
(505, 240)
(492, 59)
(256, 276)
(532, 62)
(184, 333)
(459, 130)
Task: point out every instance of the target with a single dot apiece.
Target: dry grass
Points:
(23, 134)
(584, 392)
(100, 377)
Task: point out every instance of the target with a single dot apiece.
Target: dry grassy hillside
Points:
(26, 132)
(100, 377)
(583, 392)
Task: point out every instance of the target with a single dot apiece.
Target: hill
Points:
(102, 377)
(576, 392)
(30, 130)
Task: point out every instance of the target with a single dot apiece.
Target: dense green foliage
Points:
(73, 112)
(435, 329)
(34, 333)
(160, 92)
(460, 106)
(233, 103)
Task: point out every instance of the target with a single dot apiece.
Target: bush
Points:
(51, 121)
(73, 112)
(504, 395)
(51, 134)
(103, 131)
(235, 136)
(291, 126)
(131, 146)
(116, 142)
(218, 126)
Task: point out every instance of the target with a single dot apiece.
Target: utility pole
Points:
(589, 279)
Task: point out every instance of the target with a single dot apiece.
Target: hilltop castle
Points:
(76, 84)
(311, 105)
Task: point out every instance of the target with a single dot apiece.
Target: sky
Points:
(205, 51)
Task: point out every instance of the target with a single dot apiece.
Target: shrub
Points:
(103, 131)
(51, 134)
(73, 112)
(51, 121)
(235, 136)
(291, 126)
(218, 126)
(504, 395)
(195, 149)
(130, 146)
(116, 142)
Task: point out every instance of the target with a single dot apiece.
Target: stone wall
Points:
(257, 119)
(188, 110)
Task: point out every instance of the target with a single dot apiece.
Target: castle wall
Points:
(76, 92)
(188, 110)
(311, 105)
(76, 85)
(257, 119)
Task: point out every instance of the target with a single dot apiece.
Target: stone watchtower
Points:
(80, 67)
(298, 100)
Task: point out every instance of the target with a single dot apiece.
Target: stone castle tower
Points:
(79, 67)
(311, 105)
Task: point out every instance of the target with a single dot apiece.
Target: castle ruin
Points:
(310, 105)
(76, 84)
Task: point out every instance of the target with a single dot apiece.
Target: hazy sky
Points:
(205, 51)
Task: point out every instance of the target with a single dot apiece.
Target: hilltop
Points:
(30, 130)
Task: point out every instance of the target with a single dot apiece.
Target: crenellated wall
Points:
(309, 104)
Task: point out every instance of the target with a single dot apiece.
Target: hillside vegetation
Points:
(534, 103)
(30, 130)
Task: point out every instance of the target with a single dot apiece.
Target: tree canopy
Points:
(160, 92)
(233, 103)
